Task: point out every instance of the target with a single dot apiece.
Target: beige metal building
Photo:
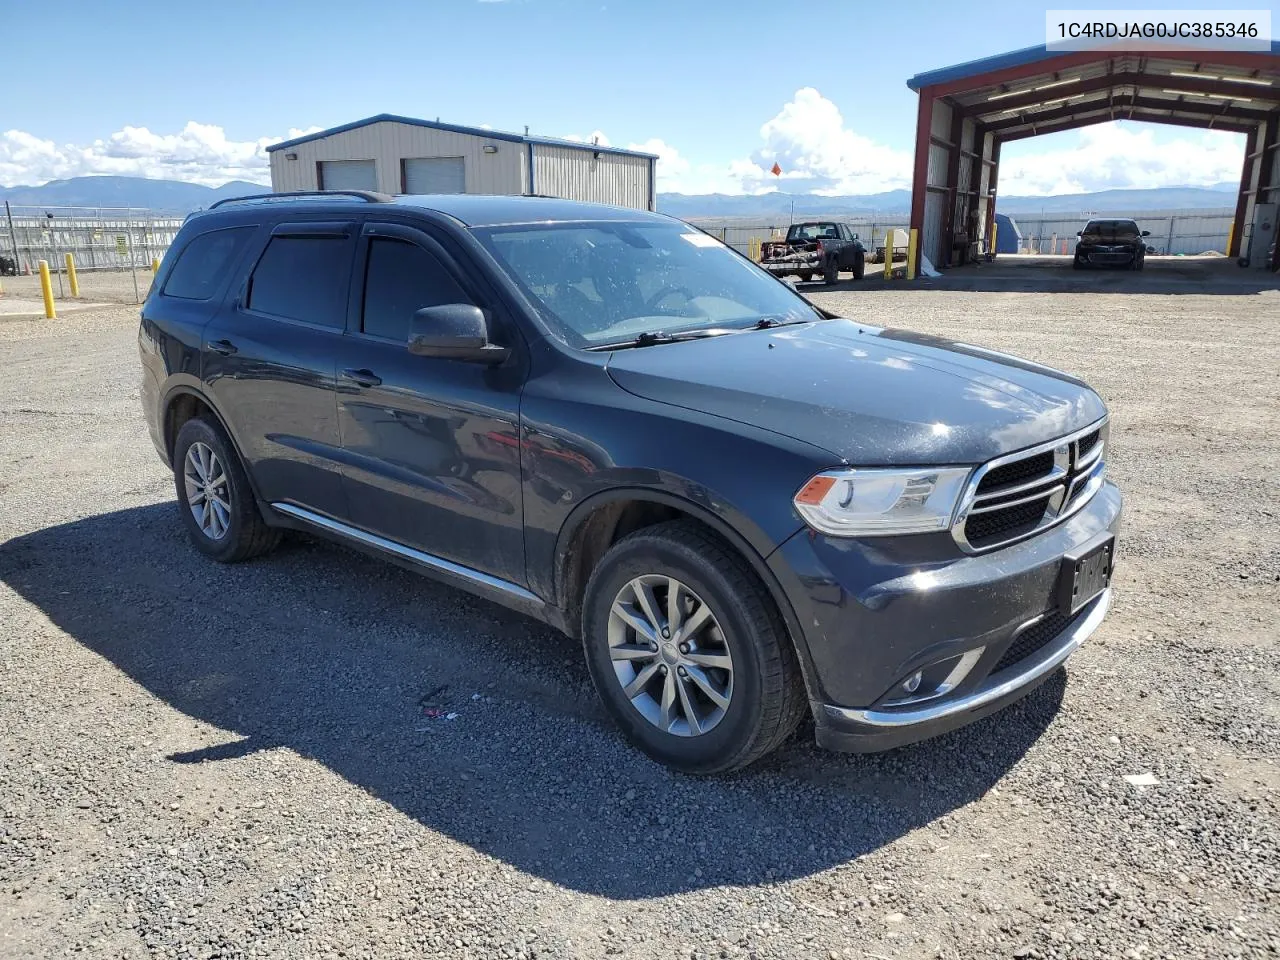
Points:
(402, 155)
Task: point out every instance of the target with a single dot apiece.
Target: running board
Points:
(481, 584)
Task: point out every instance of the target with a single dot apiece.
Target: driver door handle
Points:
(224, 347)
(362, 377)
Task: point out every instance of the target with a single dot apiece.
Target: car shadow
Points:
(358, 665)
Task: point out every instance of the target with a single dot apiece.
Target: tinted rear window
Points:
(204, 263)
(303, 278)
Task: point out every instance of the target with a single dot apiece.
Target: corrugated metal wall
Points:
(985, 147)
(577, 175)
(932, 242)
(1172, 231)
(388, 143)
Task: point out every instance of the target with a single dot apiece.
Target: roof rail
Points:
(368, 196)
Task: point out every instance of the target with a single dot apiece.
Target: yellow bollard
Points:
(71, 276)
(888, 254)
(46, 287)
(155, 265)
(913, 243)
(995, 229)
(1231, 235)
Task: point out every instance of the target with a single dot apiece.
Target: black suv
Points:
(747, 508)
(1112, 243)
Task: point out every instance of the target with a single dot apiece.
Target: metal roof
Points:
(455, 128)
(1035, 91)
(1017, 58)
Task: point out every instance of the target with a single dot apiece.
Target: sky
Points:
(719, 90)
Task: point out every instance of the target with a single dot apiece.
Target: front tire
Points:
(215, 498)
(860, 267)
(688, 651)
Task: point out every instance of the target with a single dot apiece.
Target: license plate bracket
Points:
(1084, 575)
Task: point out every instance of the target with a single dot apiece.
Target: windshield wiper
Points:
(765, 323)
(651, 337)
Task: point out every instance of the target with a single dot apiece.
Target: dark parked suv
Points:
(747, 508)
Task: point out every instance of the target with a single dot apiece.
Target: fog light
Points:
(932, 680)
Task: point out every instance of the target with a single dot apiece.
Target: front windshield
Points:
(605, 282)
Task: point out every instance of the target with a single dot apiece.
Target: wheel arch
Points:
(184, 402)
(602, 519)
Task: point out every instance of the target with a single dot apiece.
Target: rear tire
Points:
(742, 709)
(217, 503)
(806, 277)
(831, 272)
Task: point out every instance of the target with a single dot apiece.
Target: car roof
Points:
(471, 210)
(477, 210)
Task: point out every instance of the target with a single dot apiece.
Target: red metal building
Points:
(966, 112)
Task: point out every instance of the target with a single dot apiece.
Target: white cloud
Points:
(808, 139)
(198, 153)
(1119, 155)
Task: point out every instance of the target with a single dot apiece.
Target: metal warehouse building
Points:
(402, 155)
(967, 111)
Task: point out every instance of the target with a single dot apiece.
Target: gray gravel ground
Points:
(208, 761)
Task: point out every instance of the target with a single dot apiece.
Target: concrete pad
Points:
(21, 308)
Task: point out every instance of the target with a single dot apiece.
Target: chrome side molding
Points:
(434, 564)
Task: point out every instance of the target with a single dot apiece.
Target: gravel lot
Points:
(207, 761)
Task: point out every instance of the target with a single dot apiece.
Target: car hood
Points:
(867, 395)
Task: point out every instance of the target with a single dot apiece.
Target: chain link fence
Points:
(746, 237)
(1186, 233)
(1171, 234)
(99, 239)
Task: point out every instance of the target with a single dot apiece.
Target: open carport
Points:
(967, 112)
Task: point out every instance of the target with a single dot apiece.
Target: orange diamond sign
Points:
(776, 170)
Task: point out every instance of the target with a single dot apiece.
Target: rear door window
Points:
(205, 262)
(303, 278)
(401, 278)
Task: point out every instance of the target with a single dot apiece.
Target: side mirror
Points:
(1146, 233)
(454, 331)
(855, 236)
(1079, 233)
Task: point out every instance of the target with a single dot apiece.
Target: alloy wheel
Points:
(208, 490)
(670, 656)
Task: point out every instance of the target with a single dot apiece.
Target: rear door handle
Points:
(224, 347)
(363, 377)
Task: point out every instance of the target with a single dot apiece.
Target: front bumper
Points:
(1105, 257)
(869, 730)
(874, 611)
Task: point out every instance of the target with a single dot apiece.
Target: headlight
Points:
(877, 503)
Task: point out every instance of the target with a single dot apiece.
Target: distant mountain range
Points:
(170, 196)
(178, 197)
(718, 206)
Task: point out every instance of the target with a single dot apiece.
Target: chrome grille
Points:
(1015, 496)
